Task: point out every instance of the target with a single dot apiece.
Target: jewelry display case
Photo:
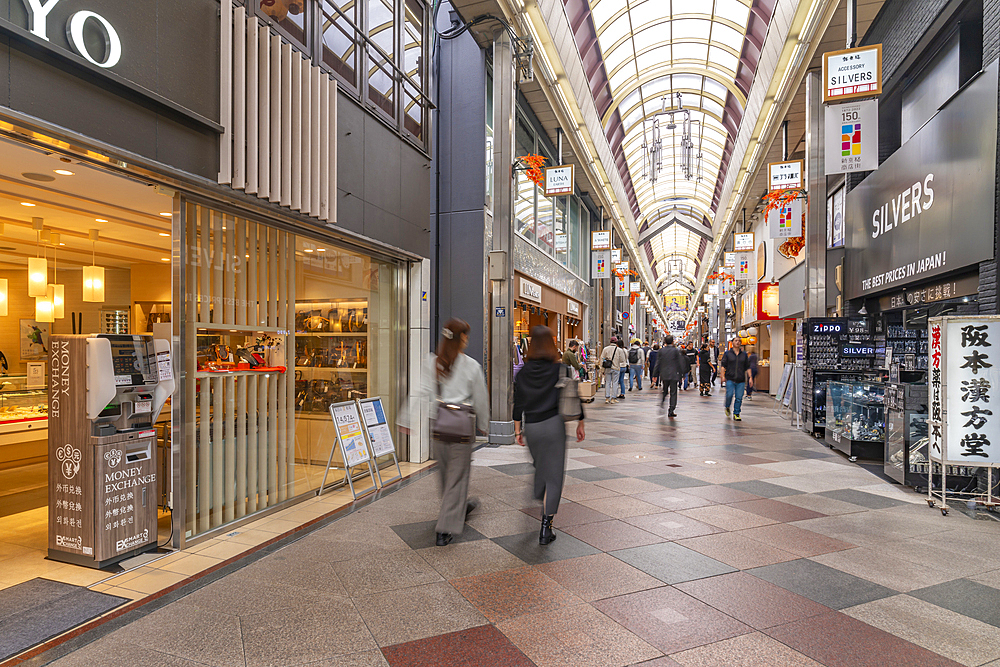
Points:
(855, 419)
(24, 422)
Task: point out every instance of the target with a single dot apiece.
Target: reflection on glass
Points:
(545, 229)
(339, 38)
(524, 207)
(382, 31)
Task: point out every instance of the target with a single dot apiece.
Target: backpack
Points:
(633, 355)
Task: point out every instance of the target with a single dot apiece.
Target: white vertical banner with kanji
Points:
(971, 369)
(936, 364)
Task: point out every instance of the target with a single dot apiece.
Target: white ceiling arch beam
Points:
(664, 223)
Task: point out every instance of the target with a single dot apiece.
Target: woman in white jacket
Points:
(453, 377)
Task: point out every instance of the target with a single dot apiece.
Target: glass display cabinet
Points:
(18, 403)
(855, 419)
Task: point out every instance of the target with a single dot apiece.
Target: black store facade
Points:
(239, 198)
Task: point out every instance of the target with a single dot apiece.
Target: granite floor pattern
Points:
(697, 541)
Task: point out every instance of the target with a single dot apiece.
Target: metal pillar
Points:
(502, 329)
(852, 23)
(816, 215)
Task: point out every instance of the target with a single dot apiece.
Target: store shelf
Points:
(333, 334)
(331, 368)
(222, 374)
(240, 328)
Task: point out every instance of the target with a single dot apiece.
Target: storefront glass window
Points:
(276, 328)
(561, 231)
(340, 38)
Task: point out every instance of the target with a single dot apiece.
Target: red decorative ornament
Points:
(534, 164)
(774, 200)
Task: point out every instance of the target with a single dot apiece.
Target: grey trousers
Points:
(455, 460)
(547, 443)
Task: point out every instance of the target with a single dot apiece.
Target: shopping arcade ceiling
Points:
(636, 52)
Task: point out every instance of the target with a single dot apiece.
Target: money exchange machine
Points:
(105, 393)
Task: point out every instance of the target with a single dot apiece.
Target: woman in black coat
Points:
(536, 405)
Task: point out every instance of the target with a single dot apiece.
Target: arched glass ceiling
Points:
(650, 49)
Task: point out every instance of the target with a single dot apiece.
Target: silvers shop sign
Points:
(929, 209)
(38, 25)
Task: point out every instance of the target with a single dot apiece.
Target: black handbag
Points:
(454, 422)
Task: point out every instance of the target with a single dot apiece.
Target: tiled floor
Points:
(699, 542)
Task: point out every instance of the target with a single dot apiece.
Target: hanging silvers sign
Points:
(852, 73)
(929, 209)
(38, 18)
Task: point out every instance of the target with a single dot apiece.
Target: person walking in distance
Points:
(610, 359)
(537, 421)
(752, 358)
(651, 364)
(455, 378)
(691, 356)
(736, 365)
(636, 362)
(705, 369)
(622, 369)
(670, 367)
(714, 355)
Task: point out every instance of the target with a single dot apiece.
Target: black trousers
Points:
(670, 385)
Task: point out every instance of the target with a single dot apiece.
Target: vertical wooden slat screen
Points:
(280, 120)
(240, 432)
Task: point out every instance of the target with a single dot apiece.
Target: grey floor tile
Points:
(422, 535)
(762, 489)
(526, 547)
(869, 500)
(112, 652)
(417, 613)
(822, 584)
(672, 480)
(188, 632)
(671, 563)
(952, 635)
(965, 597)
(305, 634)
(385, 573)
(241, 595)
(594, 474)
(516, 468)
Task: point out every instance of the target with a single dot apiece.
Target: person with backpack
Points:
(537, 421)
(611, 359)
(669, 367)
(636, 362)
(622, 369)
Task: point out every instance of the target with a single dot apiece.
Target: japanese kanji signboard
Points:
(852, 73)
(964, 373)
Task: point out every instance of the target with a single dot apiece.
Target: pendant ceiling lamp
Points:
(38, 267)
(93, 276)
(56, 291)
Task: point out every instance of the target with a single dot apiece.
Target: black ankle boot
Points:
(443, 539)
(546, 534)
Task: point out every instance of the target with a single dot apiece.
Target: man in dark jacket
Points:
(691, 357)
(670, 366)
(737, 373)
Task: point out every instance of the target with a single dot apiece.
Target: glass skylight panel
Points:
(603, 11)
(711, 107)
(690, 29)
(658, 34)
(650, 60)
(690, 51)
(619, 78)
(649, 11)
(713, 87)
(734, 10)
(657, 87)
(723, 34)
(617, 56)
(615, 31)
(723, 58)
(687, 82)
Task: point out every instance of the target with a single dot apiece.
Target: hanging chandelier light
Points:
(57, 292)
